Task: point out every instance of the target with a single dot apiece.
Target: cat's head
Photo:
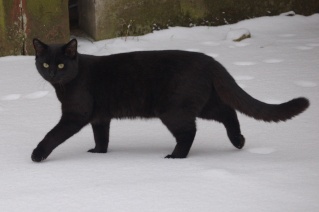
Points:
(56, 63)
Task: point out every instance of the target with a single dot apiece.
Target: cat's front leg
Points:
(101, 136)
(68, 126)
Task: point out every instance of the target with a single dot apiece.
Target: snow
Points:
(278, 169)
(238, 34)
(290, 13)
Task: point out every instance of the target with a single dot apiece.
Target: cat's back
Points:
(149, 55)
(159, 55)
(150, 61)
(147, 66)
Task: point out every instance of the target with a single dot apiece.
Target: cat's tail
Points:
(232, 95)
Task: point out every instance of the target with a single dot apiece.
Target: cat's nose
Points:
(51, 74)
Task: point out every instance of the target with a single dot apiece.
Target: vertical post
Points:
(22, 20)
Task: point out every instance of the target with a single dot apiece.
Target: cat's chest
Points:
(74, 98)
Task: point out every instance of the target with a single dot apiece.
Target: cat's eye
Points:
(61, 65)
(45, 65)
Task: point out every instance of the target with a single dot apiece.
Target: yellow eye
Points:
(61, 65)
(45, 65)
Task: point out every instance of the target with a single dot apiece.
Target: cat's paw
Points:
(174, 157)
(96, 150)
(238, 142)
(39, 155)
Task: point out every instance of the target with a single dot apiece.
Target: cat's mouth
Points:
(55, 81)
(51, 79)
(58, 80)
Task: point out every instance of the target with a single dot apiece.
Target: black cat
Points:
(174, 86)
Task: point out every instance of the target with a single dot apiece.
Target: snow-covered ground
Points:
(278, 169)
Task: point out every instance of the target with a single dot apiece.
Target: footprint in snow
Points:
(261, 151)
(210, 43)
(306, 84)
(11, 97)
(313, 44)
(287, 35)
(273, 61)
(244, 63)
(303, 48)
(36, 95)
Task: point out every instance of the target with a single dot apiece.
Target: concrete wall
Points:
(11, 37)
(22, 20)
(114, 18)
(87, 17)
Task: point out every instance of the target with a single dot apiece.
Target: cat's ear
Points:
(70, 49)
(39, 47)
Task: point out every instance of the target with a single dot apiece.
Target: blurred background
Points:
(54, 21)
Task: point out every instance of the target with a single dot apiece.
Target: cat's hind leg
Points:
(101, 136)
(226, 115)
(183, 129)
(232, 126)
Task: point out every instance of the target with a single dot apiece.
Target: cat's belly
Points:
(123, 111)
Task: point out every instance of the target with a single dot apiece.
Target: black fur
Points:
(174, 86)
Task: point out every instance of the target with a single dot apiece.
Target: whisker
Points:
(61, 87)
